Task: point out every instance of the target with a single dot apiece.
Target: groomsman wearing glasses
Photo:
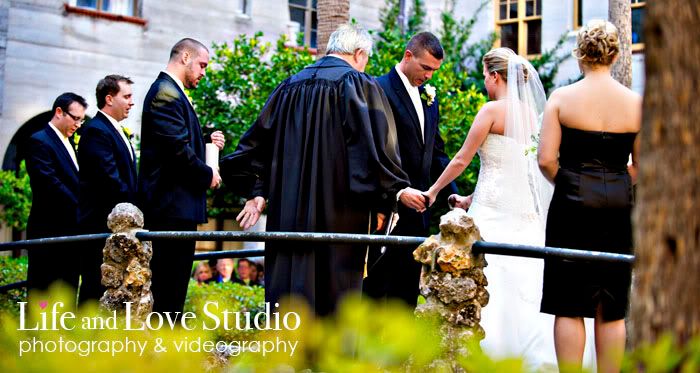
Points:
(107, 174)
(53, 171)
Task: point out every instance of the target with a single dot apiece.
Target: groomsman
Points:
(173, 175)
(107, 173)
(53, 174)
(394, 273)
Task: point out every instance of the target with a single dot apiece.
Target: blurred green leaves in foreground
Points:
(362, 337)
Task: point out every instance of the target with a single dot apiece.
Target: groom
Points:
(394, 273)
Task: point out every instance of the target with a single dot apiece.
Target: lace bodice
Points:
(503, 177)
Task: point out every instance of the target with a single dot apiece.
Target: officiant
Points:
(324, 155)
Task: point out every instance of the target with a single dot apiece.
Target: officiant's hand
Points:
(251, 212)
(413, 198)
(218, 139)
(215, 179)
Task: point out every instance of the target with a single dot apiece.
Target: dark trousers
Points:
(91, 259)
(171, 266)
(395, 274)
(53, 263)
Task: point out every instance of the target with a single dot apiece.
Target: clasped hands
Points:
(420, 201)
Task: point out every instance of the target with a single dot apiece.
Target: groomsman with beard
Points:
(394, 273)
(173, 174)
(107, 174)
(53, 174)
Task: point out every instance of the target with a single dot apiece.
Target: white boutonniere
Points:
(429, 94)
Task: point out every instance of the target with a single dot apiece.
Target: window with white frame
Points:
(304, 12)
(121, 7)
(578, 14)
(519, 25)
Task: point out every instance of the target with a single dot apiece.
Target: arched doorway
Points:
(16, 150)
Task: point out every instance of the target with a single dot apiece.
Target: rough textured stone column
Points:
(453, 284)
(125, 268)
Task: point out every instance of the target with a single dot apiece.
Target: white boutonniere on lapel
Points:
(429, 94)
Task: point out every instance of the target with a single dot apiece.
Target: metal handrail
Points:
(338, 238)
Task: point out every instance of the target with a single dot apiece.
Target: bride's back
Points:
(599, 103)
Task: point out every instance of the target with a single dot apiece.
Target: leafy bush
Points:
(231, 297)
(12, 270)
(16, 197)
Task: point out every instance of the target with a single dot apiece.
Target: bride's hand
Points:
(431, 196)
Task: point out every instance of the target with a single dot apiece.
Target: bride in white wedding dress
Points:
(510, 205)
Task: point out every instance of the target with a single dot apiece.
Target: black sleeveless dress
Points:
(590, 210)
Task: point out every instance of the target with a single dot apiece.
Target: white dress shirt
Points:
(414, 94)
(67, 144)
(120, 130)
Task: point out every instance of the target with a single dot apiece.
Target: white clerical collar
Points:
(176, 79)
(336, 56)
(404, 79)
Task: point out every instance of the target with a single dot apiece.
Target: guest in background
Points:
(202, 273)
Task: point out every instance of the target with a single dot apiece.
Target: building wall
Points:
(44, 51)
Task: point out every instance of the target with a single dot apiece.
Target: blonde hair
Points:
(496, 61)
(597, 43)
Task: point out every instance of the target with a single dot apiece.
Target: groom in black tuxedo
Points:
(394, 273)
(107, 174)
(173, 174)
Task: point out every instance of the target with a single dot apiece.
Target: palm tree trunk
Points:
(331, 14)
(667, 224)
(620, 14)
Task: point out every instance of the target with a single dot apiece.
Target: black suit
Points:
(173, 181)
(54, 181)
(395, 274)
(107, 177)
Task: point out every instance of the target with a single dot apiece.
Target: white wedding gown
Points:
(504, 211)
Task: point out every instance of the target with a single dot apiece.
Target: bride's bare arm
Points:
(477, 134)
(550, 139)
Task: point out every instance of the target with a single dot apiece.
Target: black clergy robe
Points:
(324, 153)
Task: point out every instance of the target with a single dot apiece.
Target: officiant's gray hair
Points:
(348, 38)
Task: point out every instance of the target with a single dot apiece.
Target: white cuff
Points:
(398, 194)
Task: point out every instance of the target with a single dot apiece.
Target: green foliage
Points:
(12, 270)
(666, 355)
(230, 297)
(16, 197)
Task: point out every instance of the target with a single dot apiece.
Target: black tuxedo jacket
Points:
(173, 177)
(422, 157)
(107, 173)
(54, 181)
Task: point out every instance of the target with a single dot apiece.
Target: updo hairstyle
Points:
(597, 43)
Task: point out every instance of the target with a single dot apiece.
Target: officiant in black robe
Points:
(324, 154)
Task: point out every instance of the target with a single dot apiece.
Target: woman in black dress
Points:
(589, 131)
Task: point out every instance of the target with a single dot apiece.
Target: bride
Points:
(509, 205)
